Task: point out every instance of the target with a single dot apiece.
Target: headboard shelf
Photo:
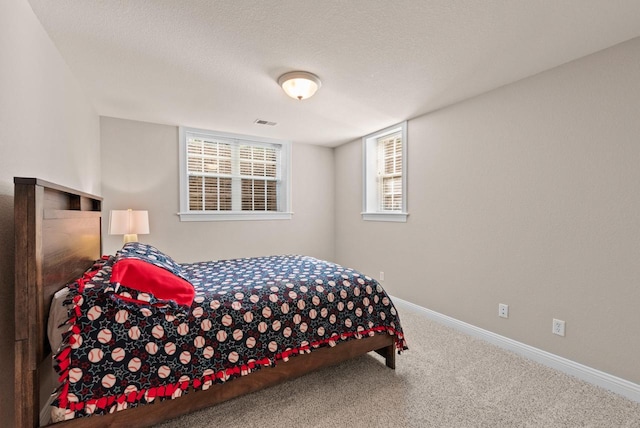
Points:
(53, 214)
(61, 197)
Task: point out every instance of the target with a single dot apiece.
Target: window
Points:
(385, 174)
(233, 177)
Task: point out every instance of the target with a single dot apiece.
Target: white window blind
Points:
(390, 172)
(210, 175)
(233, 178)
(259, 178)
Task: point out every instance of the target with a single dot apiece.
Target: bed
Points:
(58, 240)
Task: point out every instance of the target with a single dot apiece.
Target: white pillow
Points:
(58, 314)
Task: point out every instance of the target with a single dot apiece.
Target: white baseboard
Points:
(615, 384)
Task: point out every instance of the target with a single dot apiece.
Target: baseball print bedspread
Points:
(143, 327)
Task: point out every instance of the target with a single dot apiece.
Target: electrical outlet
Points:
(503, 310)
(558, 327)
(381, 276)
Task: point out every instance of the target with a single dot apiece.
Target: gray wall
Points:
(527, 195)
(140, 171)
(48, 130)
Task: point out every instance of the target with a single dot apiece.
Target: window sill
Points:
(389, 216)
(234, 216)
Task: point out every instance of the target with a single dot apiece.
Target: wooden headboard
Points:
(57, 237)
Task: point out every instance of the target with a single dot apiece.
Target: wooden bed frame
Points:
(57, 237)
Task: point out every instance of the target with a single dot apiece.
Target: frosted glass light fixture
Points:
(129, 223)
(299, 84)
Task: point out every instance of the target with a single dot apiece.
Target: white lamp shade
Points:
(299, 84)
(128, 222)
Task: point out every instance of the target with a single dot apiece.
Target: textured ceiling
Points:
(214, 64)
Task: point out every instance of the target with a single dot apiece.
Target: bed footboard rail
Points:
(269, 376)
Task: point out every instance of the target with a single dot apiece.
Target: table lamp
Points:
(128, 223)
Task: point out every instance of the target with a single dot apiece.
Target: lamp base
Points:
(131, 237)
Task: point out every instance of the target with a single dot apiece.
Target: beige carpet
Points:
(446, 379)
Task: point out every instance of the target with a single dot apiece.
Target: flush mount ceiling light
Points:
(299, 84)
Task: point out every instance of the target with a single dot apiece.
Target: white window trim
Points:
(284, 196)
(370, 210)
